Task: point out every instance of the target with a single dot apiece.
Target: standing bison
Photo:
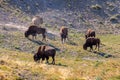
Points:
(90, 33)
(34, 30)
(45, 52)
(37, 20)
(63, 34)
(90, 42)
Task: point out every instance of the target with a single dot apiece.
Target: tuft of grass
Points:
(98, 63)
(96, 7)
(115, 78)
(98, 78)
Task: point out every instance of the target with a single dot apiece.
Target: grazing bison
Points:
(44, 52)
(90, 33)
(63, 34)
(37, 20)
(90, 42)
(34, 30)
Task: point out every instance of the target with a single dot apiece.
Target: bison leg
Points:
(96, 47)
(33, 36)
(44, 37)
(47, 58)
(53, 62)
(91, 48)
(62, 40)
(65, 39)
(42, 59)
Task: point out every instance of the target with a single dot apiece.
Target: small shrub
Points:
(117, 26)
(97, 63)
(17, 47)
(110, 6)
(98, 78)
(47, 25)
(96, 7)
(114, 18)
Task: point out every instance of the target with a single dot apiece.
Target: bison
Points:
(63, 34)
(45, 52)
(37, 20)
(90, 42)
(34, 30)
(90, 33)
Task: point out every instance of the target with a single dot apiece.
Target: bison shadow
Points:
(57, 49)
(42, 43)
(59, 64)
(50, 36)
(70, 42)
(37, 42)
(106, 55)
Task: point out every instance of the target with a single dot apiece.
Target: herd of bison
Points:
(45, 51)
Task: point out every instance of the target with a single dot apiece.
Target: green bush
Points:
(114, 18)
(96, 7)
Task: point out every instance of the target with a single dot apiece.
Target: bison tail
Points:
(99, 42)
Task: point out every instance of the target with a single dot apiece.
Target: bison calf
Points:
(45, 52)
(37, 20)
(90, 42)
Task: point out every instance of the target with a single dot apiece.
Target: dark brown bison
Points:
(63, 34)
(90, 33)
(90, 42)
(34, 30)
(45, 52)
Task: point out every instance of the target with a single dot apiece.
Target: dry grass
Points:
(14, 66)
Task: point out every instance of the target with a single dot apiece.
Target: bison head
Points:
(84, 47)
(36, 57)
(26, 34)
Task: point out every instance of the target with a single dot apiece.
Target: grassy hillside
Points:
(72, 62)
(20, 66)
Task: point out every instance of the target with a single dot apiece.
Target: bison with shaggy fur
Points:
(90, 33)
(34, 30)
(90, 42)
(45, 52)
(37, 20)
(63, 34)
